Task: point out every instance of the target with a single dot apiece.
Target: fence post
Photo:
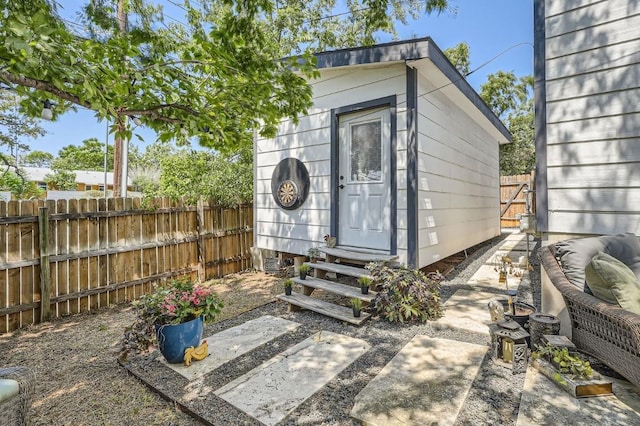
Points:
(45, 279)
(200, 229)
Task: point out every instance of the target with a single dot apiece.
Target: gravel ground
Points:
(494, 397)
(81, 383)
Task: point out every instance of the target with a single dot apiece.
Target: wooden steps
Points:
(321, 268)
(338, 253)
(336, 288)
(343, 256)
(325, 308)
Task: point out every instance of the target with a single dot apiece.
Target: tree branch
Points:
(44, 86)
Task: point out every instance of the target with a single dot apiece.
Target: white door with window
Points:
(364, 179)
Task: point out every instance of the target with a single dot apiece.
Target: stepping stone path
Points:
(467, 310)
(425, 383)
(235, 341)
(271, 391)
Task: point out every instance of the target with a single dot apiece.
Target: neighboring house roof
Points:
(89, 177)
(406, 51)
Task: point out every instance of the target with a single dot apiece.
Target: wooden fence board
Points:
(512, 201)
(27, 281)
(102, 252)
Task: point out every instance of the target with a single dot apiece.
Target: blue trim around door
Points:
(390, 102)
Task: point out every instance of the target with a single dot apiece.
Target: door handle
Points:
(341, 186)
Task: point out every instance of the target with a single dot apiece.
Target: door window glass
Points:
(366, 152)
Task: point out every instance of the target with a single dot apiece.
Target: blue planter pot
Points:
(174, 339)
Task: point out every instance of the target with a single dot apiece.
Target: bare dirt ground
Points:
(79, 381)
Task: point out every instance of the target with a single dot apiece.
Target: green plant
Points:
(565, 362)
(303, 269)
(356, 303)
(405, 294)
(314, 252)
(364, 281)
(178, 302)
(287, 283)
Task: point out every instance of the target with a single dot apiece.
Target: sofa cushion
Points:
(575, 254)
(612, 281)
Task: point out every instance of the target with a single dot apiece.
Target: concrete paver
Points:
(425, 383)
(467, 310)
(234, 342)
(271, 391)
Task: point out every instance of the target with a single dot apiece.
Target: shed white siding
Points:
(592, 66)
(458, 175)
(295, 231)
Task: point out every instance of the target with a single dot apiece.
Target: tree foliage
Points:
(510, 99)
(213, 76)
(15, 180)
(37, 159)
(220, 179)
(14, 124)
(459, 57)
(88, 156)
(61, 180)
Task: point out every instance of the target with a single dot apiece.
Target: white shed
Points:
(398, 155)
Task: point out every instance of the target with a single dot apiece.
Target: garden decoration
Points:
(541, 324)
(331, 241)
(509, 346)
(196, 354)
(567, 369)
(173, 317)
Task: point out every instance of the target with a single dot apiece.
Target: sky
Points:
(499, 32)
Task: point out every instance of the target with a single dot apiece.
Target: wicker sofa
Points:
(14, 411)
(601, 329)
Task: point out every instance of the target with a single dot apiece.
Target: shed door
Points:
(364, 179)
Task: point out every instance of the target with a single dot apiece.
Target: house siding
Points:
(592, 118)
(458, 176)
(295, 231)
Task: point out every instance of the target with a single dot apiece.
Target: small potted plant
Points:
(287, 284)
(356, 306)
(303, 269)
(365, 282)
(314, 254)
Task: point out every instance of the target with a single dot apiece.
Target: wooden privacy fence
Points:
(513, 198)
(69, 256)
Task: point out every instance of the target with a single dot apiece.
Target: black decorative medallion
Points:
(290, 183)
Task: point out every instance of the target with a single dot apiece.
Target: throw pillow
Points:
(612, 281)
(576, 253)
